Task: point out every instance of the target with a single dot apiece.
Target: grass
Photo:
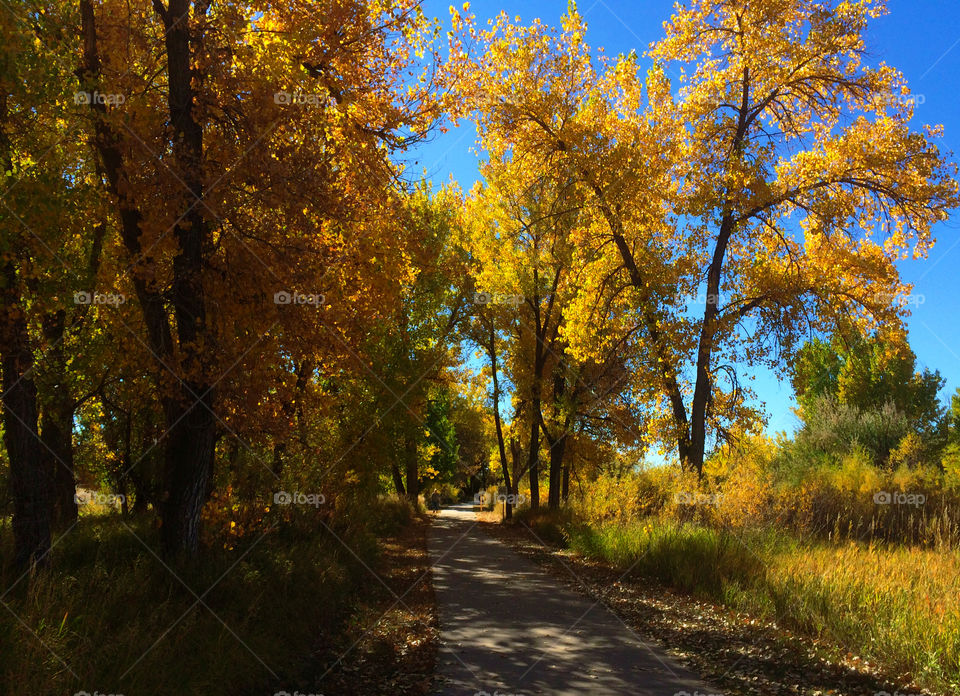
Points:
(896, 606)
(110, 616)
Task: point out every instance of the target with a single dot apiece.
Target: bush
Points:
(833, 428)
(614, 498)
(550, 526)
(389, 514)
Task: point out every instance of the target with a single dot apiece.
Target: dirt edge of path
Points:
(740, 654)
(391, 645)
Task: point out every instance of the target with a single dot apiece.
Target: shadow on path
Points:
(507, 626)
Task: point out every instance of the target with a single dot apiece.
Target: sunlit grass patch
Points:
(897, 606)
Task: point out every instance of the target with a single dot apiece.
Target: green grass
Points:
(897, 606)
(109, 616)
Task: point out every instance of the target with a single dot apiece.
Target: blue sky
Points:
(919, 37)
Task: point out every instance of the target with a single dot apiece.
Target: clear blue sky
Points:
(919, 37)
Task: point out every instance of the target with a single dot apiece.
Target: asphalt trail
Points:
(508, 627)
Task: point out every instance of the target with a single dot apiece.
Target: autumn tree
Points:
(770, 194)
(523, 228)
(50, 253)
(218, 233)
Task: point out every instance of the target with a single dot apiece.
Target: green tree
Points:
(867, 390)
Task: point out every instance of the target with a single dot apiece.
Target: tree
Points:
(49, 217)
(780, 184)
(214, 224)
(862, 379)
(441, 451)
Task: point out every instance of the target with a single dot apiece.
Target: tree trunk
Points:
(189, 463)
(29, 485)
(533, 455)
(557, 442)
(413, 474)
(557, 449)
(192, 434)
(699, 410)
(276, 465)
(397, 478)
(565, 492)
(56, 424)
(191, 428)
(492, 352)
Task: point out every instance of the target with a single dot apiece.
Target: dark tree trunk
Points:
(189, 464)
(29, 484)
(565, 491)
(56, 424)
(397, 478)
(143, 493)
(700, 407)
(492, 352)
(515, 459)
(541, 331)
(557, 448)
(533, 455)
(558, 442)
(191, 427)
(413, 474)
(276, 466)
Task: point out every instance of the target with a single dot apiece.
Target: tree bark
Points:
(565, 491)
(397, 479)
(192, 430)
(558, 442)
(29, 483)
(557, 449)
(56, 424)
(188, 411)
(413, 473)
(492, 352)
(533, 455)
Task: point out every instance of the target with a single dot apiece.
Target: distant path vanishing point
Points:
(506, 626)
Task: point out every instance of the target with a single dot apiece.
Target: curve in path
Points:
(508, 627)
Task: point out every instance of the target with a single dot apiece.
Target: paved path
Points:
(506, 626)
